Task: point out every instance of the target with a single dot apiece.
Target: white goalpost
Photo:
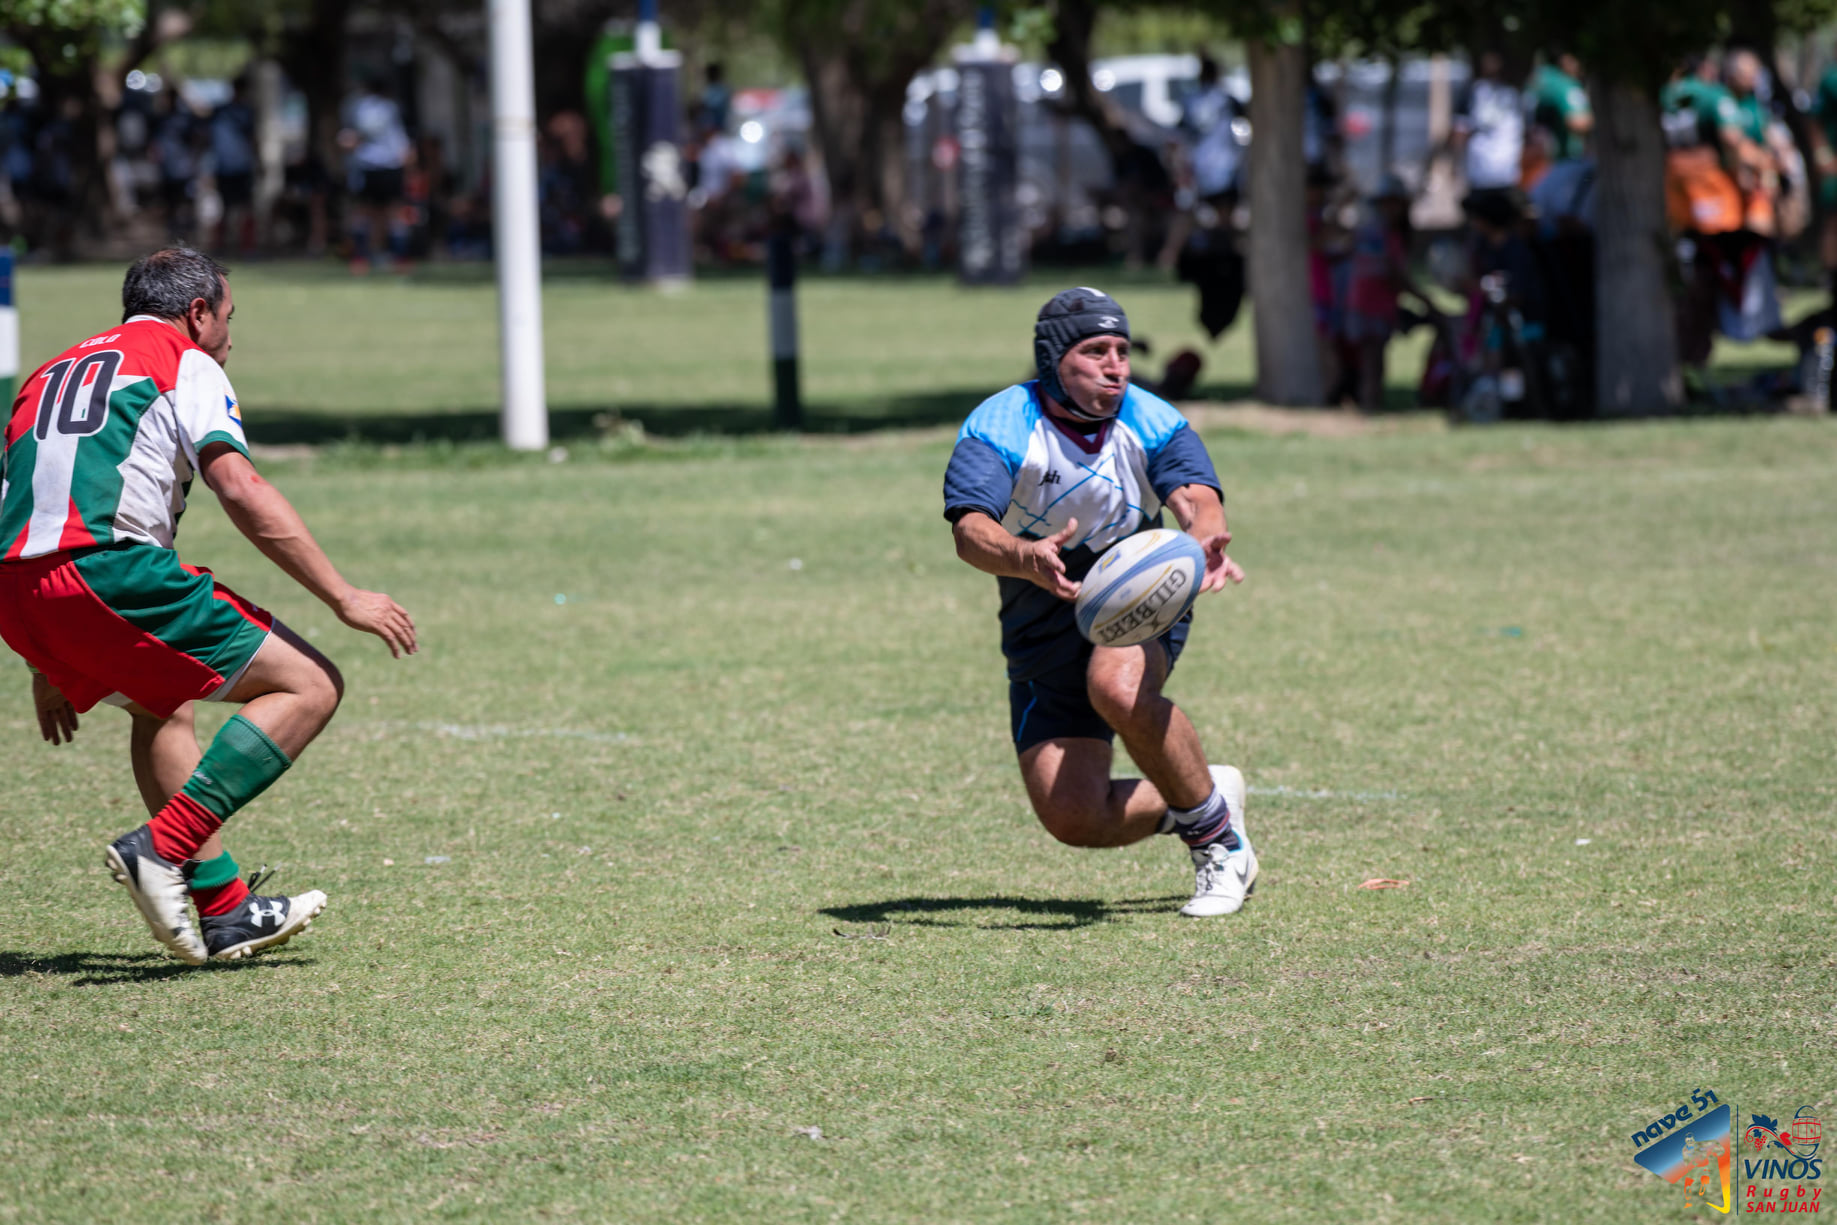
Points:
(515, 227)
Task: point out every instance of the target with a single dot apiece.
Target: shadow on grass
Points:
(1038, 914)
(284, 427)
(110, 969)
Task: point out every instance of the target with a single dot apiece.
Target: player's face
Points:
(1095, 373)
(212, 328)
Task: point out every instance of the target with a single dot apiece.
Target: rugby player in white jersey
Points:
(1046, 476)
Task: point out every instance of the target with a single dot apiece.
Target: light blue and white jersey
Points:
(1034, 475)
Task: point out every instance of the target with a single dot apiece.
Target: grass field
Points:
(321, 357)
(665, 848)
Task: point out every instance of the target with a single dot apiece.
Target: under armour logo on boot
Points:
(273, 911)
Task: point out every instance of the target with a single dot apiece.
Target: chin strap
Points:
(1076, 412)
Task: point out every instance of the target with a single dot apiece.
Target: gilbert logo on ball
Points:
(1140, 588)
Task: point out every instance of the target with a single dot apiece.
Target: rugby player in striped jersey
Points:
(1044, 478)
(100, 450)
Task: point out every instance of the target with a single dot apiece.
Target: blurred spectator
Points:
(303, 210)
(1500, 249)
(1692, 103)
(1326, 255)
(1205, 120)
(564, 185)
(1560, 114)
(232, 146)
(426, 188)
(1703, 204)
(1504, 345)
(15, 157)
(1378, 272)
(1489, 128)
(1744, 121)
(1824, 152)
(1144, 190)
(1323, 146)
(175, 152)
(800, 195)
(716, 102)
(376, 154)
(1564, 198)
(722, 225)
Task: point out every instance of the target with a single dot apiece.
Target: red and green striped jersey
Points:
(104, 439)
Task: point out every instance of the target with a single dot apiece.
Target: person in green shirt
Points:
(1693, 102)
(1744, 111)
(1742, 122)
(1559, 106)
(1824, 158)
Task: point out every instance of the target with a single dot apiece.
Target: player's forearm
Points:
(986, 545)
(1199, 509)
(264, 515)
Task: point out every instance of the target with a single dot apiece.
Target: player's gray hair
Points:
(167, 282)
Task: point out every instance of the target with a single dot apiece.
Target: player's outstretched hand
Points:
(57, 718)
(375, 613)
(1045, 568)
(1220, 569)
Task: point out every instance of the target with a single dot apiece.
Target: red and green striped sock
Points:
(217, 886)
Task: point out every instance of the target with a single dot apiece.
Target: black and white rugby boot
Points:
(159, 889)
(259, 922)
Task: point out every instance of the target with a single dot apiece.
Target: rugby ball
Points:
(1138, 589)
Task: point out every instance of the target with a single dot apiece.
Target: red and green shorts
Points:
(128, 622)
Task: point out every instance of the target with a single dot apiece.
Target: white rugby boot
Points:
(1225, 869)
(160, 890)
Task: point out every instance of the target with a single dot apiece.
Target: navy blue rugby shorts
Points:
(1058, 703)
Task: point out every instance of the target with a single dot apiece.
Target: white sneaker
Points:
(1223, 877)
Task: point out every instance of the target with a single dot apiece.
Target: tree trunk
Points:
(1074, 28)
(315, 57)
(838, 125)
(857, 65)
(1288, 358)
(1637, 368)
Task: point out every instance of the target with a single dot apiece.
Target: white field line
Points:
(1304, 793)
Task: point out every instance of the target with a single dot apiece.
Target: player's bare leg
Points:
(164, 753)
(1068, 780)
(1205, 804)
(1125, 685)
(289, 690)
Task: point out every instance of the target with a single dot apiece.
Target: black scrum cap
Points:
(1071, 316)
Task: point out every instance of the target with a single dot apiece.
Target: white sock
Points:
(1185, 818)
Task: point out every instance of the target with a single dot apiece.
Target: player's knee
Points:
(1073, 823)
(1114, 697)
(325, 688)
